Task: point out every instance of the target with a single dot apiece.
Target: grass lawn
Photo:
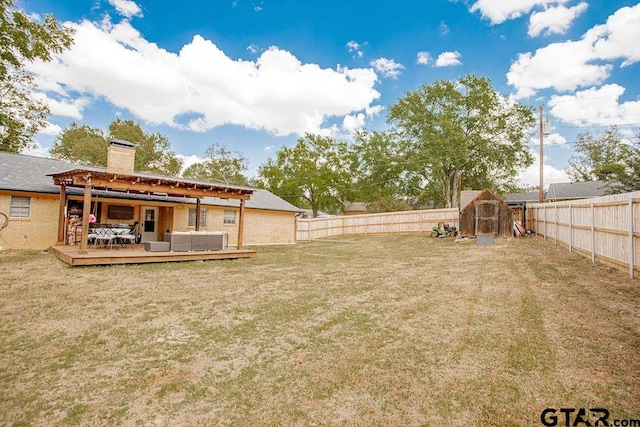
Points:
(400, 330)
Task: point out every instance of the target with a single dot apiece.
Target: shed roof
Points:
(481, 196)
(19, 172)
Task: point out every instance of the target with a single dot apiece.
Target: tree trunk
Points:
(455, 189)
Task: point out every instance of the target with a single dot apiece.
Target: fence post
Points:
(593, 234)
(557, 226)
(631, 248)
(544, 211)
(570, 228)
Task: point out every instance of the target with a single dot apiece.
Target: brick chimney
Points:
(121, 157)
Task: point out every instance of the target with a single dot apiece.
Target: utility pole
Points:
(545, 129)
(541, 161)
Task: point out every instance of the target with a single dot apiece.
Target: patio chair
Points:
(127, 236)
(104, 236)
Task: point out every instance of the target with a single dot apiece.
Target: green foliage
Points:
(23, 41)
(221, 165)
(87, 145)
(153, 151)
(81, 144)
(313, 173)
(461, 135)
(378, 169)
(607, 157)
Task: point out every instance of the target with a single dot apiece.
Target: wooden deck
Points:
(100, 256)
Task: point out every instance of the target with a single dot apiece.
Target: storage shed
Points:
(486, 215)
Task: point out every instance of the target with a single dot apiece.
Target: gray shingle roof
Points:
(19, 172)
(531, 196)
(578, 190)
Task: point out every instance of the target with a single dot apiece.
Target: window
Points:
(229, 217)
(120, 212)
(19, 207)
(192, 217)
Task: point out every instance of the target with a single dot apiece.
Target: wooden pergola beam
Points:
(142, 184)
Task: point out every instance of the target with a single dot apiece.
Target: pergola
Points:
(140, 184)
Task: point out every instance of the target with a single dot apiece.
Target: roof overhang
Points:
(146, 184)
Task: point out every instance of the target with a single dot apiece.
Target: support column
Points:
(62, 217)
(86, 211)
(241, 224)
(198, 206)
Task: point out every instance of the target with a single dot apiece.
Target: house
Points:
(31, 201)
(355, 208)
(487, 215)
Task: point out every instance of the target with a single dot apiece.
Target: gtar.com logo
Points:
(592, 417)
(574, 417)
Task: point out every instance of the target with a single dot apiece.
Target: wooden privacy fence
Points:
(606, 228)
(381, 223)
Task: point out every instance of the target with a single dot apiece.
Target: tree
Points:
(221, 165)
(607, 157)
(313, 173)
(461, 135)
(81, 144)
(378, 170)
(153, 151)
(23, 41)
(87, 145)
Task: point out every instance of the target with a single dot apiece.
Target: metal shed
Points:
(486, 215)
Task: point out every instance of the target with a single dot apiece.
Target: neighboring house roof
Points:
(531, 196)
(355, 207)
(19, 172)
(578, 190)
(308, 213)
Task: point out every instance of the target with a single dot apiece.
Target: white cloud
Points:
(37, 151)
(595, 107)
(554, 20)
(50, 129)
(498, 11)
(423, 58)
(448, 59)
(531, 175)
(555, 139)
(201, 84)
(551, 140)
(388, 67)
(269, 148)
(572, 64)
(352, 123)
(619, 37)
(444, 28)
(253, 48)
(355, 48)
(189, 160)
(126, 8)
(67, 107)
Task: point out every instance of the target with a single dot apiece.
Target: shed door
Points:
(487, 214)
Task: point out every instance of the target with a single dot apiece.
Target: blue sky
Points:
(255, 75)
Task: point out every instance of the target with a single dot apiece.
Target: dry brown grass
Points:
(403, 330)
